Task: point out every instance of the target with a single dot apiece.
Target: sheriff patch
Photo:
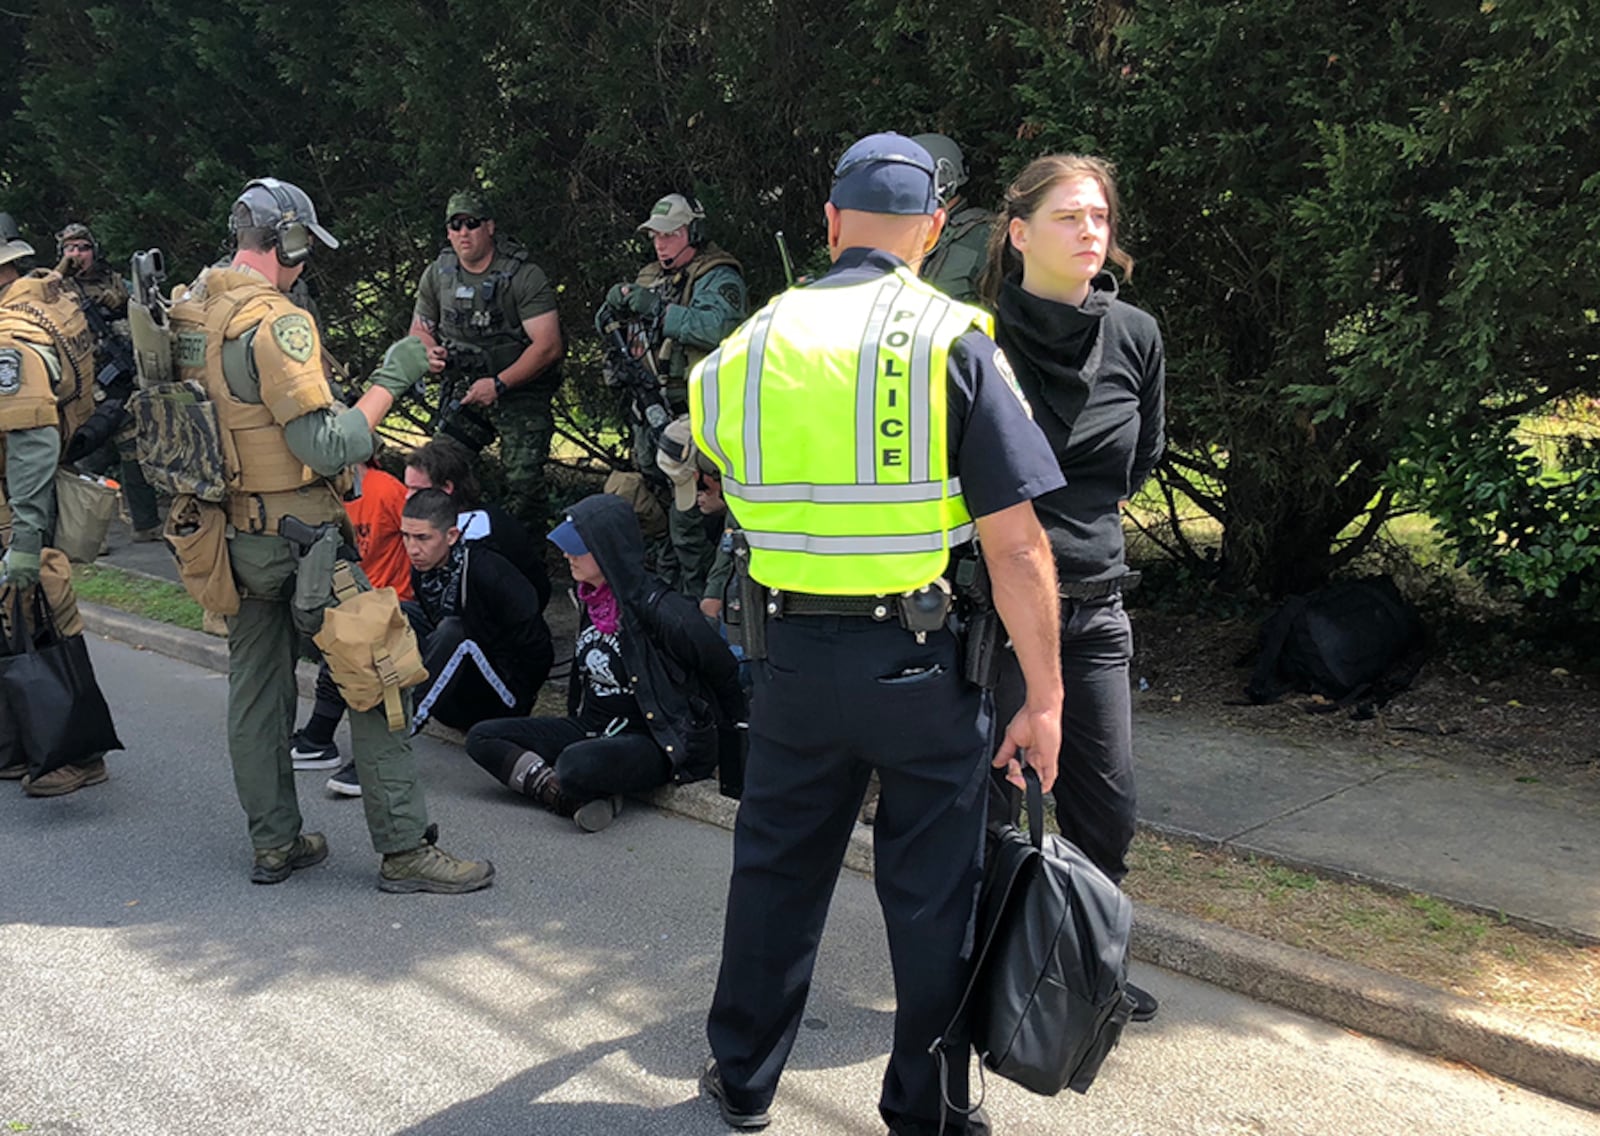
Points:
(10, 370)
(294, 335)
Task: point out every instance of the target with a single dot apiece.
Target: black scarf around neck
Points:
(439, 589)
(1054, 347)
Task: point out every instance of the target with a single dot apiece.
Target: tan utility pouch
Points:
(84, 508)
(198, 533)
(371, 650)
(636, 491)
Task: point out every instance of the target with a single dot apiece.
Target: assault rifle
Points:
(147, 319)
(116, 380)
(468, 425)
(647, 403)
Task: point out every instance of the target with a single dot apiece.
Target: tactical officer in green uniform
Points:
(688, 298)
(955, 262)
(104, 297)
(46, 384)
(259, 358)
(487, 314)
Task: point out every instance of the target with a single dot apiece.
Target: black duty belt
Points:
(881, 608)
(1098, 589)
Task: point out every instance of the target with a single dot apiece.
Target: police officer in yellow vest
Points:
(867, 427)
(259, 358)
(690, 296)
(46, 393)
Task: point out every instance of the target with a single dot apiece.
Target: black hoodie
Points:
(683, 675)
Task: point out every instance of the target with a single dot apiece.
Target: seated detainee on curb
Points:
(480, 623)
(276, 455)
(654, 695)
(440, 464)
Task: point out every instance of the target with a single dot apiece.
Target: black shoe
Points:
(1144, 1003)
(596, 815)
(977, 1124)
(309, 755)
(345, 783)
(711, 1085)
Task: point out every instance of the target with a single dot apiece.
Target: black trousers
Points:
(1095, 798)
(835, 699)
(587, 767)
(465, 697)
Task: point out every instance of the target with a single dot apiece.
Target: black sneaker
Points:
(310, 755)
(1144, 1003)
(711, 1085)
(345, 783)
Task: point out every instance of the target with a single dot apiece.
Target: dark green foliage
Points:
(1369, 230)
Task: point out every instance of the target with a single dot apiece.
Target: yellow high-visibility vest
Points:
(826, 412)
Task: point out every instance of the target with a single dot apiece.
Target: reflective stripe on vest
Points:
(827, 413)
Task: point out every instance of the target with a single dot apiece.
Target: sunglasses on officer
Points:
(456, 224)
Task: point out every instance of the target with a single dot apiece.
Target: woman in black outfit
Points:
(654, 695)
(1093, 370)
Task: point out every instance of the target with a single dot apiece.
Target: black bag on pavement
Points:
(48, 684)
(1343, 642)
(1048, 992)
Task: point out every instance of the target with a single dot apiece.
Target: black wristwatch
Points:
(499, 387)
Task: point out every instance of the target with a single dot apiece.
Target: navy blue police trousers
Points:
(836, 698)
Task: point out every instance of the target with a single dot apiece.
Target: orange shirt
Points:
(376, 517)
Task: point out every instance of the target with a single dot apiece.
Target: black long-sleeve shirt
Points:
(1095, 376)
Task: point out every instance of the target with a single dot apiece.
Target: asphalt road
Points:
(146, 987)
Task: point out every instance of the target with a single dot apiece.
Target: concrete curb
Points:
(1550, 1059)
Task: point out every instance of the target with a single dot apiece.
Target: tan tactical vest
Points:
(680, 286)
(38, 309)
(266, 480)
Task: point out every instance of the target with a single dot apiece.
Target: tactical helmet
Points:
(950, 168)
(76, 231)
(287, 211)
(12, 246)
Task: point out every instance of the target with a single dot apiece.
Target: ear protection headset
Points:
(697, 227)
(291, 238)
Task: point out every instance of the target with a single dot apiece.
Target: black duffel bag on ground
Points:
(54, 702)
(1048, 994)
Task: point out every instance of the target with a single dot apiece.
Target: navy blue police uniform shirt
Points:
(1000, 454)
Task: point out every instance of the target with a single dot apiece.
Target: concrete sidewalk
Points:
(1401, 819)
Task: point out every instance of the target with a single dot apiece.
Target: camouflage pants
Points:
(525, 424)
(263, 646)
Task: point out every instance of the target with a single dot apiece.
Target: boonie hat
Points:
(678, 458)
(886, 173)
(670, 214)
(468, 203)
(565, 537)
(12, 246)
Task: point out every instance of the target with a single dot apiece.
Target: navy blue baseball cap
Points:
(565, 537)
(885, 173)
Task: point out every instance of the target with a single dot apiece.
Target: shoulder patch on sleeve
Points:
(1003, 365)
(10, 370)
(732, 293)
(293, 334)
